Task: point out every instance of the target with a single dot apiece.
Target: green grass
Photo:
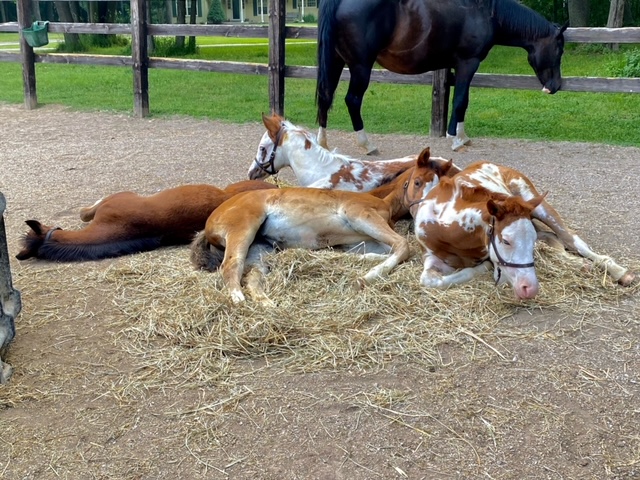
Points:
(589, 117)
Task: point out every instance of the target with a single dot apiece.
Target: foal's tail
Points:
(326, 56)
(205, 256)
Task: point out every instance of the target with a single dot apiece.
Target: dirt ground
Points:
(559, 398)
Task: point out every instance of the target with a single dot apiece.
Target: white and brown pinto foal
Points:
(482, 217)
(286, 145)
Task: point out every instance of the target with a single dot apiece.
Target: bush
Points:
(629, 66)
(632, 67)
(309, 18)
(216, 14)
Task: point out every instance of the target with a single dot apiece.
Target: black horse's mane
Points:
(516, 17)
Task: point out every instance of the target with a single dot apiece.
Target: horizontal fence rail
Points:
(277, 70)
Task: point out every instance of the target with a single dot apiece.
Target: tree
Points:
(216, 14)
(616, 18)
(578, 13)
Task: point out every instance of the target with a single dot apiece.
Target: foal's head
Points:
(512, 238)
(268, 159)
(425, 176)
(34, 238)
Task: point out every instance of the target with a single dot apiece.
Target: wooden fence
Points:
(276, 69)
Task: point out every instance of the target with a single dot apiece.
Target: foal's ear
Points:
(36, 226)
(495, 208)
(423, 158)
(563, 28)
(273, 123)
(535, 201)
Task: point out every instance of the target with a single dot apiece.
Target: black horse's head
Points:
(545, 56)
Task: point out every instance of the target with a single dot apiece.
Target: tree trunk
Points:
(578, 13)
(192, 20)
(616, 18)
(168, 11)
(71, 40)
(181, 19)
(36, 9)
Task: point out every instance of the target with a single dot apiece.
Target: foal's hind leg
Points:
(255, 273)
(572, 242)
(373, 224)
(87, 213)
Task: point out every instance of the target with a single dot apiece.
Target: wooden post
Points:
(140, 58)
(25, 19)
(10, 303)
(440, 103)
(277, 18)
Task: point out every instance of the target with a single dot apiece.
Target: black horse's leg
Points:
(325, 96)
(360, 76)
(464, 74)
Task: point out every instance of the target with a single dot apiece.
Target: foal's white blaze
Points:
(516, 246)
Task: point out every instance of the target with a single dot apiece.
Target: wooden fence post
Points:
(277, 18)
(440, 103)
(140, 58)
(10, 303)
(25, 18)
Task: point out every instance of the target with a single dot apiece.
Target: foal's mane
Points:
(516, 17)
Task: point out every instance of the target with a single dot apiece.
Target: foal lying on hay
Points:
(482, 217)
(125, 223)
(287, 145)
(243, 228)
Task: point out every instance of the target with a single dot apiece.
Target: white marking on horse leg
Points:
(572, 242)
(460, 139)
(322, 137)
(236, 296)
(363, 141)
(617, 272)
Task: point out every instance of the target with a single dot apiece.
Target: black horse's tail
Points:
(326, 53)
(205, 256)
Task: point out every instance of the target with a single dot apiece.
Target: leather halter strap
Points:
(405, 187)
(268, 166)
(47, 236)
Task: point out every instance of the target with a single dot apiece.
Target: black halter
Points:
(47, 236)
(268, 166)
(501, 261)
(405, 187)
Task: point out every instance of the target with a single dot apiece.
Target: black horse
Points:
(417, 36)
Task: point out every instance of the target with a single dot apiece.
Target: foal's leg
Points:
(238, 241)
(437, 274)
(255, 272)
(373, 224)
(572, 242)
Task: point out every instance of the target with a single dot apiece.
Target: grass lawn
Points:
(589, 117)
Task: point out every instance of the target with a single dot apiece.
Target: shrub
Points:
(309, 18)
(628, 66)
(632, 67)
(216, 15)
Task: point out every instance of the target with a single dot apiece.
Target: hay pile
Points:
(182, 321)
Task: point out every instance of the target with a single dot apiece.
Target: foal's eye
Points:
(506, 242)
(417, 183)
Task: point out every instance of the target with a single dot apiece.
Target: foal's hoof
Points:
(628, 279)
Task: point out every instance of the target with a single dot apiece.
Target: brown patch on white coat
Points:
(284, 144)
